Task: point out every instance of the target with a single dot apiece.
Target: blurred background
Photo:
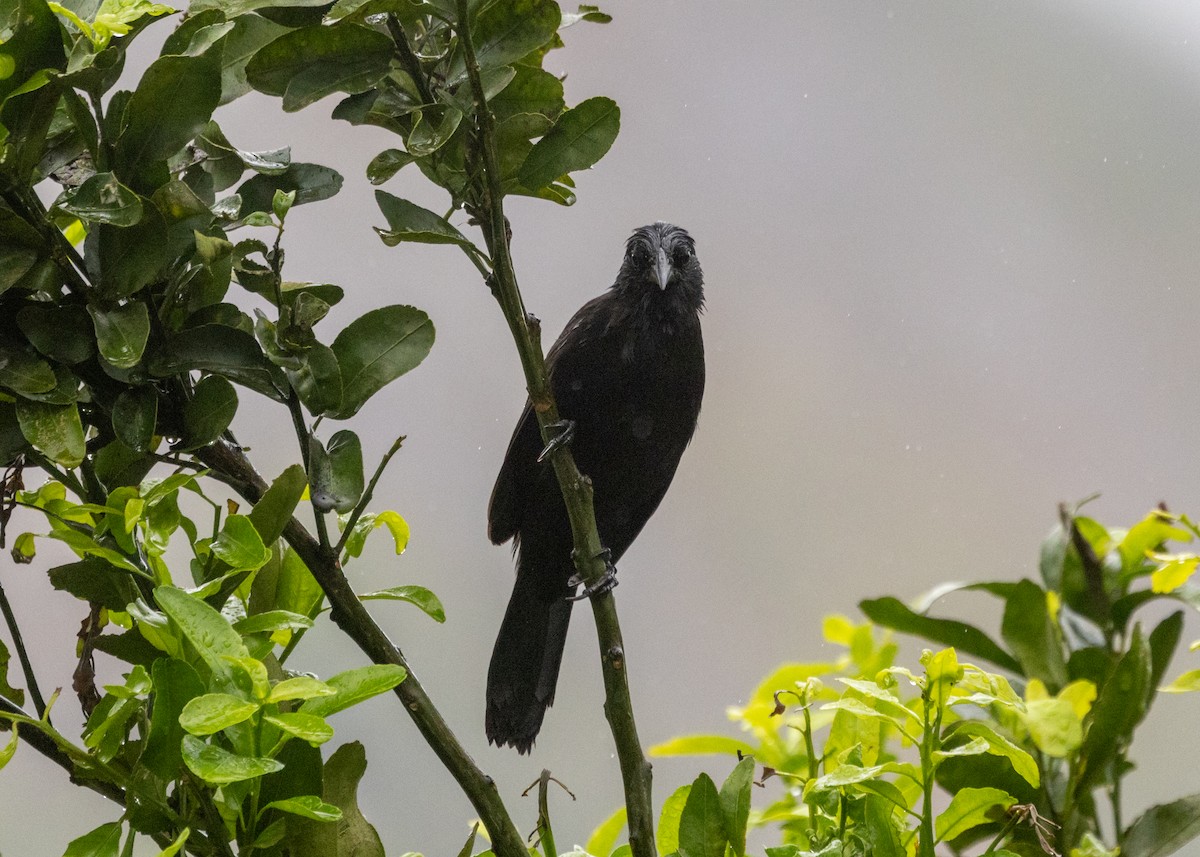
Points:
(950, 254)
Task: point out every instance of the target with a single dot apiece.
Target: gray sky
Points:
(950, 253)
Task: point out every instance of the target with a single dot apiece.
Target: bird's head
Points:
(660, 260)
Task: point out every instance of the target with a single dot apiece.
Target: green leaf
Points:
(219, 767)
(409, 222)
(300, 687)
(207, 630)
(1030, 633)
(176, 846)
(311, 183)
(702, 825)
(239, 544)
(54, 430)
(1162, 641)
(735, 804)
(1163, 829)
(343, 773)
(604, 837)
(386, 164)
(891, 613)
(337, 473)
(354, 686)
(10, 748)
(1120, 706)
(219, 349)
(103, 199)
(997, 745)
(970, 808)
(104, 841)
(306, 727)
(63, 333)
(272, 620)
(317, 380)
(94, 580)
(307, 64)
(377, 348)
(580, 137)
(505, 32)
(701, 745)
(121, 333)
(209, 412)
(213, 712)
(531, 91)
(174, 99)
(175, 684)
(667, 836)
(274, 509)
(416, 595)
(25, 373)
(7, 690)
(369, 522)
(307, 806)
(134, 416)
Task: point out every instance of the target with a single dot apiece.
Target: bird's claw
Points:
(565, 434)
(606, 583)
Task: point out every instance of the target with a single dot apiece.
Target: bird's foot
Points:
(565, 434)
(606, 583)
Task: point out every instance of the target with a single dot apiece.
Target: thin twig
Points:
(410, 61)
(10, 619)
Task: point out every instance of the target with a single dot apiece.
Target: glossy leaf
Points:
(337, 472)
(735, 804)
(9, 748)
(218, 349)
(54, 430)
(272, 620)
(24, 372)
(667, 835)
(1163, 829)
(306, 727)
(121, 333)
(63, 333)
(209, 412)
(892, 613)
(310, 63)
(274, 509)
(174, 99)
(997, 745)
(702, 823)
(134, 416)
(508, 30)
(371, 521)
(604, 837)
(580, 137)
(377, 348)
(300, 687)
(311, 182)
(1030, 633)
(354, 686)
(213, 712)
(176, 683)
(970, 808)
(103, 199)
(219, 767)
(386, 164)
(207, 630)
(239, 545)
(307, 806)
(104, 841)
(418, 596)
(1120, 706)
(409, 222)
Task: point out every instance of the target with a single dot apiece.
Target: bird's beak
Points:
(662, 269)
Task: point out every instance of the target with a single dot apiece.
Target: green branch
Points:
(576, 488)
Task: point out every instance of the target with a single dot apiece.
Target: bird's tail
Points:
(528, 653)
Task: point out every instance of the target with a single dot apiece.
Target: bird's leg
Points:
(606, 583)
(565, 434)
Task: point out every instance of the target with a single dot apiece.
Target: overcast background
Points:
(950, 253)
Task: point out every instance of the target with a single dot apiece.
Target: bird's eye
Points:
(640, 256)
(681, 256)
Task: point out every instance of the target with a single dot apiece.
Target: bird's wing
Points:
(520, 471)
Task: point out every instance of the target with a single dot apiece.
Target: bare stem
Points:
(576, 488)
(10, 619)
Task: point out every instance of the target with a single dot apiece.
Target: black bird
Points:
(628, 375)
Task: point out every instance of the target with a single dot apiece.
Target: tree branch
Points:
(576, 488)
(352, 617)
